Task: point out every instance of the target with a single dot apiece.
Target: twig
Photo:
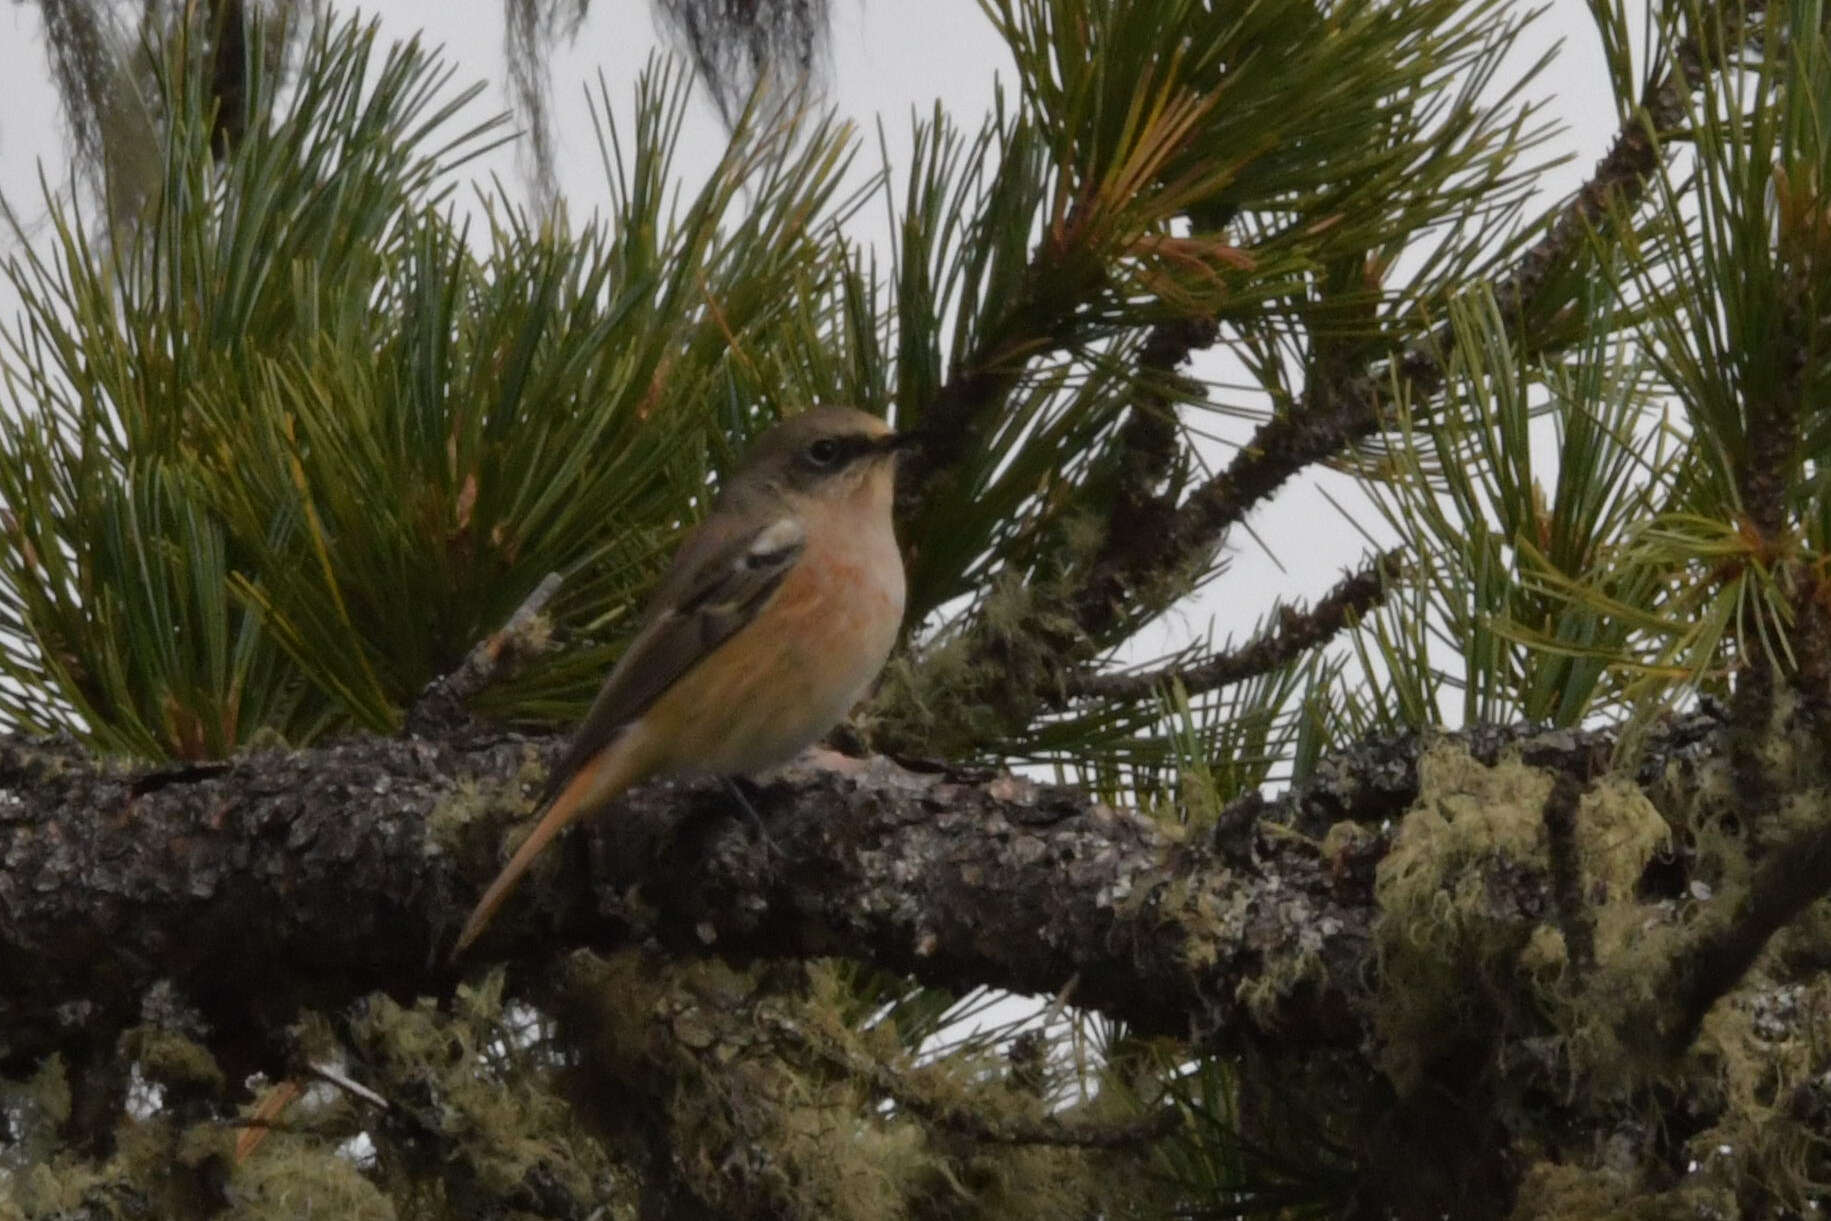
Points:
(264, 1119)
(348, 1085)
(1296, 633)
(442, 703)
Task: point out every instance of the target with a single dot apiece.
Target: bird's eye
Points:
(824, 452)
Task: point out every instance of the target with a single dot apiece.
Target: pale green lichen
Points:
(1447, 922)
(793, 1126)
(948, 699)
(169, 1058)
(449, 821)
(506, 1122)
(1456, 949)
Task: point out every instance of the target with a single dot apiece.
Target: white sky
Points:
(888, 56)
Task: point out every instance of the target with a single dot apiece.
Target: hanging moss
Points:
(479, 1082)
(292, 1176)
(765, 1123)
(1470, 856)
(168, 1057)
(1553, 1192)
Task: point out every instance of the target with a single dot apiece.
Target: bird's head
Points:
(829, 454)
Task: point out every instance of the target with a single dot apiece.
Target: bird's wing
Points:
(721, 577)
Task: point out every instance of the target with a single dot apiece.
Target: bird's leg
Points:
(736, 785)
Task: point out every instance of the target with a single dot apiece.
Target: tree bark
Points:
(313, 877)
(248, 890)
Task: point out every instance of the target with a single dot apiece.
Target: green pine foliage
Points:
(294, 442)
(279, 446)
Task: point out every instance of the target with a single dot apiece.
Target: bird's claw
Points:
(770, 847)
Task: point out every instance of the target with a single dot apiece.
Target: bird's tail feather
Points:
(600, 779)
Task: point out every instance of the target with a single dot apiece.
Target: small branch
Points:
(982, 381)
(442, 704)
(344, 1082)
(964, 1119)
(228, 74)
(1296, 633)
(1794, 876)
(1148, 448)
(1574, 919)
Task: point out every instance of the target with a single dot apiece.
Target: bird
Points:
(777, 613)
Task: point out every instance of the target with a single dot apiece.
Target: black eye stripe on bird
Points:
(843, 451)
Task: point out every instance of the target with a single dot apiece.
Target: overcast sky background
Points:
(887, 58)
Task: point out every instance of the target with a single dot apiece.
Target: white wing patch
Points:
(774, 543)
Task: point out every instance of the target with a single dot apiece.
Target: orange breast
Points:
(794, 671)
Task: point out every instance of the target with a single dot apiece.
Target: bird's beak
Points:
(901, 442)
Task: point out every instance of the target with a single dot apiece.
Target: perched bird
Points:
(779, 610)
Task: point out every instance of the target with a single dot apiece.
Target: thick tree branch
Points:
(1796, 875)
(1575, 922)
(312, 878)
(309, 879)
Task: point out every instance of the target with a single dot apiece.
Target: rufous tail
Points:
(608, 773)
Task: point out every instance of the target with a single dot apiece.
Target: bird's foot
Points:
(736, 785)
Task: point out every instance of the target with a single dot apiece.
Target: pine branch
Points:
(1342, 405)
(1137, 525)
(1296, 633)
